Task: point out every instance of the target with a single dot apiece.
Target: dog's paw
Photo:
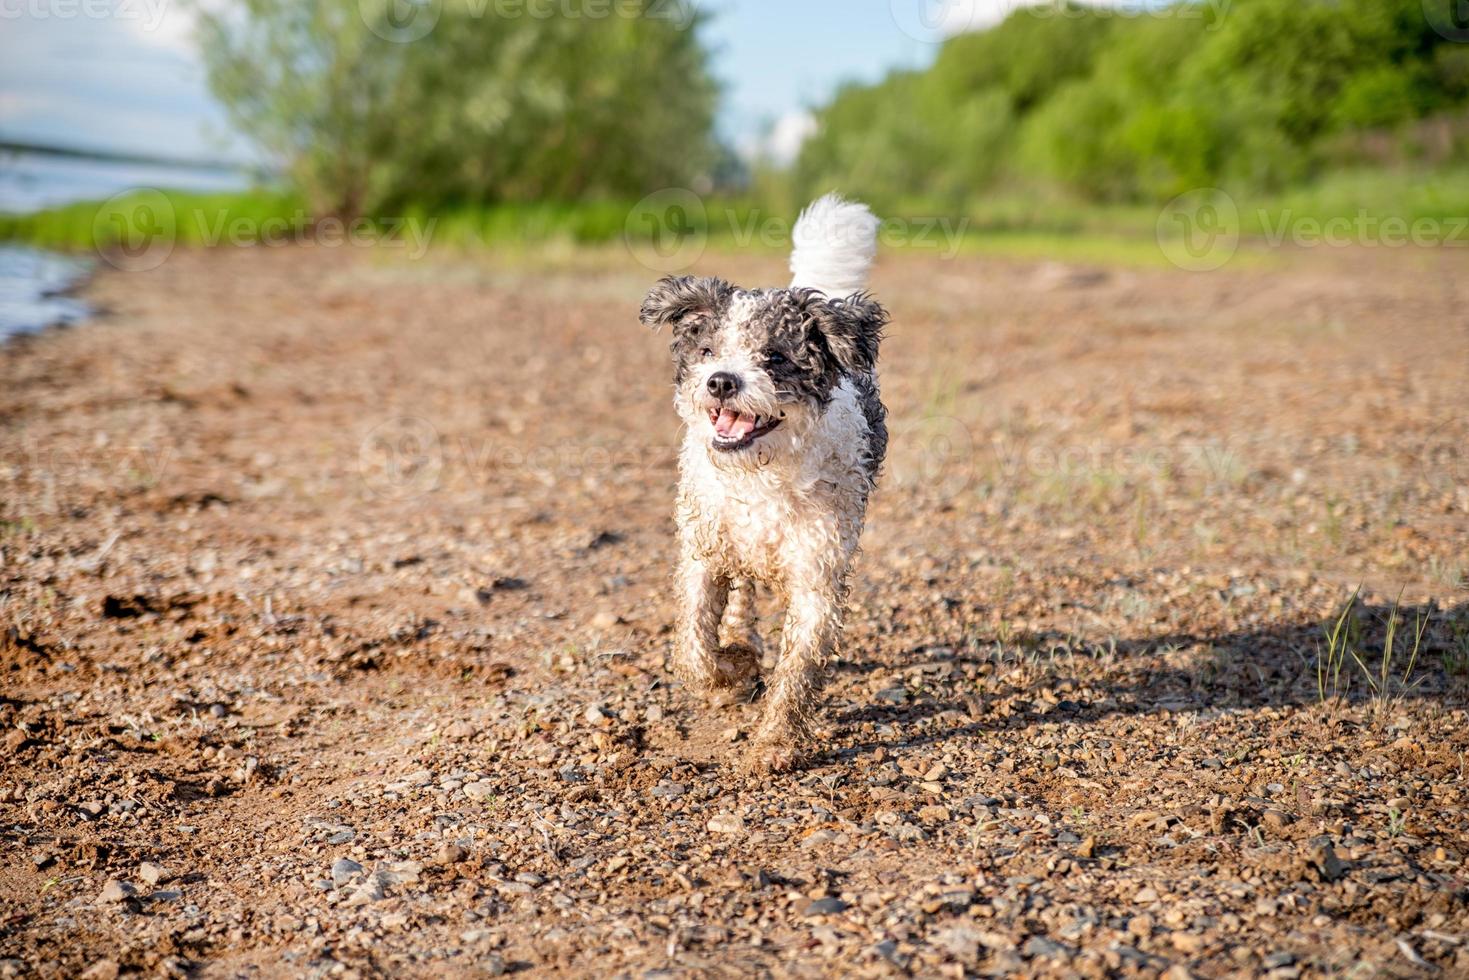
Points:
(737, 671)
(766, 756)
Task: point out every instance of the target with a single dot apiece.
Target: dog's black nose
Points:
(722, 384)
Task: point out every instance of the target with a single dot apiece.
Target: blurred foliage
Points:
(493, 104)
(1256, 97)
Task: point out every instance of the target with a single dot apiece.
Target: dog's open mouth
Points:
(735, 430)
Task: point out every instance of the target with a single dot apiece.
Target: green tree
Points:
(494, 103)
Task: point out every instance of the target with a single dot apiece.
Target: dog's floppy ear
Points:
(682, 300)
(851, 327)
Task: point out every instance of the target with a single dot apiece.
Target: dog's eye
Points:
(775, 357)
(706, 353)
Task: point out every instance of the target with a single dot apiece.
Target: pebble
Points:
(726, 823)
(823, 906)
(480, 790)
(107, 969)
(116, 891)
(343, 871)
(151, 874)
(1040, 946)
(450, 854)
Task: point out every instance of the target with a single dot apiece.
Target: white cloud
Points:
(161, 23)
(779, 142)
(950, 17)
(786, 136)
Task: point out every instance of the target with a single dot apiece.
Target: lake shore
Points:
(336, 612)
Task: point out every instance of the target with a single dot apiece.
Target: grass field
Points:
(1022, 225)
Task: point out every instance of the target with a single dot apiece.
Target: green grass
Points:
(1033, 225)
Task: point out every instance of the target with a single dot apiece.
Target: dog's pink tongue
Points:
(733, 425)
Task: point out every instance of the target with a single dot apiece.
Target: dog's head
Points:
(755, 369)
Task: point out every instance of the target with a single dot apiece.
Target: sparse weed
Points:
(1397, 822)
(1344, 633)
(1345, 644)
(1385, 686)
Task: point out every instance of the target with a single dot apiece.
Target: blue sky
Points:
(123, 75)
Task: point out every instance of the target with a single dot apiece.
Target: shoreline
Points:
(30, 306)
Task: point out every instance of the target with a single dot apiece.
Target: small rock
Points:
(1279, 959)
(1326, 861)
(151, 874)
(116, 891)
(823, 906)
(479, 790)
(344, 870)
(1274, 819)
(605, 619)
(102, 970)
(450, 854)
(1140, 926)
(726, 823)
(1040, 947)
(1087, 848)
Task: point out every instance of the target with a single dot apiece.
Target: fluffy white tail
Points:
(835, 241)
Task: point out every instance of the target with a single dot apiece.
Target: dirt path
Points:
(334, 597)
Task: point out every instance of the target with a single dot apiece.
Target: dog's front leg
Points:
(812, 621)
(699, 658)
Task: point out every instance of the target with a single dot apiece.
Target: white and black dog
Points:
(784, 436)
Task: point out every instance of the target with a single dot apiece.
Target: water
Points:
(31, 181)
(32, 285)
(32, 282)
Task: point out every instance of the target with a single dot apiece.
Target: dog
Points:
(784, 437)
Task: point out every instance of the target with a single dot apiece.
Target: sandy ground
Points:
(334, 610)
